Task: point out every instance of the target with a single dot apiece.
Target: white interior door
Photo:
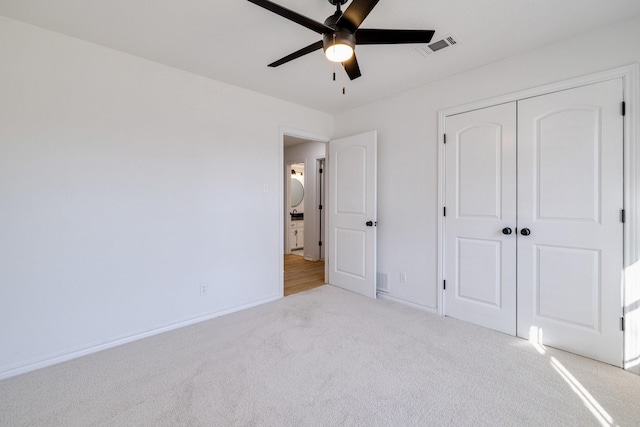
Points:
(352, 213)
(570, 193)
(480, 259)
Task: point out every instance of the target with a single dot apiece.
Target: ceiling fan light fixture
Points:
(339, 45)
(339, 52)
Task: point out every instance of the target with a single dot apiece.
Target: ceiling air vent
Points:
(438, 45)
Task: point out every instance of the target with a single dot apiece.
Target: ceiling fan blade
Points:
(352, 68)
(371, 36)
(293, 16)
(355, 14)
(298, 54)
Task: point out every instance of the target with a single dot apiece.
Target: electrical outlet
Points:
(403, 277)
(204, 290)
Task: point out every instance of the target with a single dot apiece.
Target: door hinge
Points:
(444, 140)
(622, 324)
(320, 170)
(444, 285)
(624, 108)
(444, 211)
(320, 207)
(623, 216)
(320, 243)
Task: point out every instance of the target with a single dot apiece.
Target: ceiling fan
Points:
(341, 33)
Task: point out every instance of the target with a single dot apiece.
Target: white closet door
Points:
(480, 260)
(570, 193)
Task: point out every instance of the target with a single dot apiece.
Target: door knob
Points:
(525, 231)
(507, 231)
(369, 223)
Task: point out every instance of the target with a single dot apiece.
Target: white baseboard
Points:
(15, 370)
(384, 295)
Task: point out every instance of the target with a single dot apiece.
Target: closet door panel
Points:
(569, 198)
(568, 190)
(480, 201)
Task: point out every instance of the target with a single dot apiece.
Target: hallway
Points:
(301, 275)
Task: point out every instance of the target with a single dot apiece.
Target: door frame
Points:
(282, 194)
(630, 75)
(321, 188)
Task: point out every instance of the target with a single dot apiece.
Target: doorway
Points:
(303, 237)
(351, 188)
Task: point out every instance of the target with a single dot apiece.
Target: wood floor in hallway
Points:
(301, 275)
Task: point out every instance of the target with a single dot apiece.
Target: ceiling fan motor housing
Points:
(342, 35)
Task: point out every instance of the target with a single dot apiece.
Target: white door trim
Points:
(321, 188)
(630, 75)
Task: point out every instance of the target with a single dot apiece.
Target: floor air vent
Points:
(382, 282)
(437, 45)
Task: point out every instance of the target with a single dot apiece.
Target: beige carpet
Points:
(325, 357)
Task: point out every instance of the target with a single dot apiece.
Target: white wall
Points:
(124, 185)
(407, 143)
(308, 153)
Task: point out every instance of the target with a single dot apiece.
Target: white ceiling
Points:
(290, 141)
(234, 40)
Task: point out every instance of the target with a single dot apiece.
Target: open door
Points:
(353, 213)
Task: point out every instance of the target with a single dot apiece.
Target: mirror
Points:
(297, 192)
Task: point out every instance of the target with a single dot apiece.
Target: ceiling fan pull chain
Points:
(334, 64)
